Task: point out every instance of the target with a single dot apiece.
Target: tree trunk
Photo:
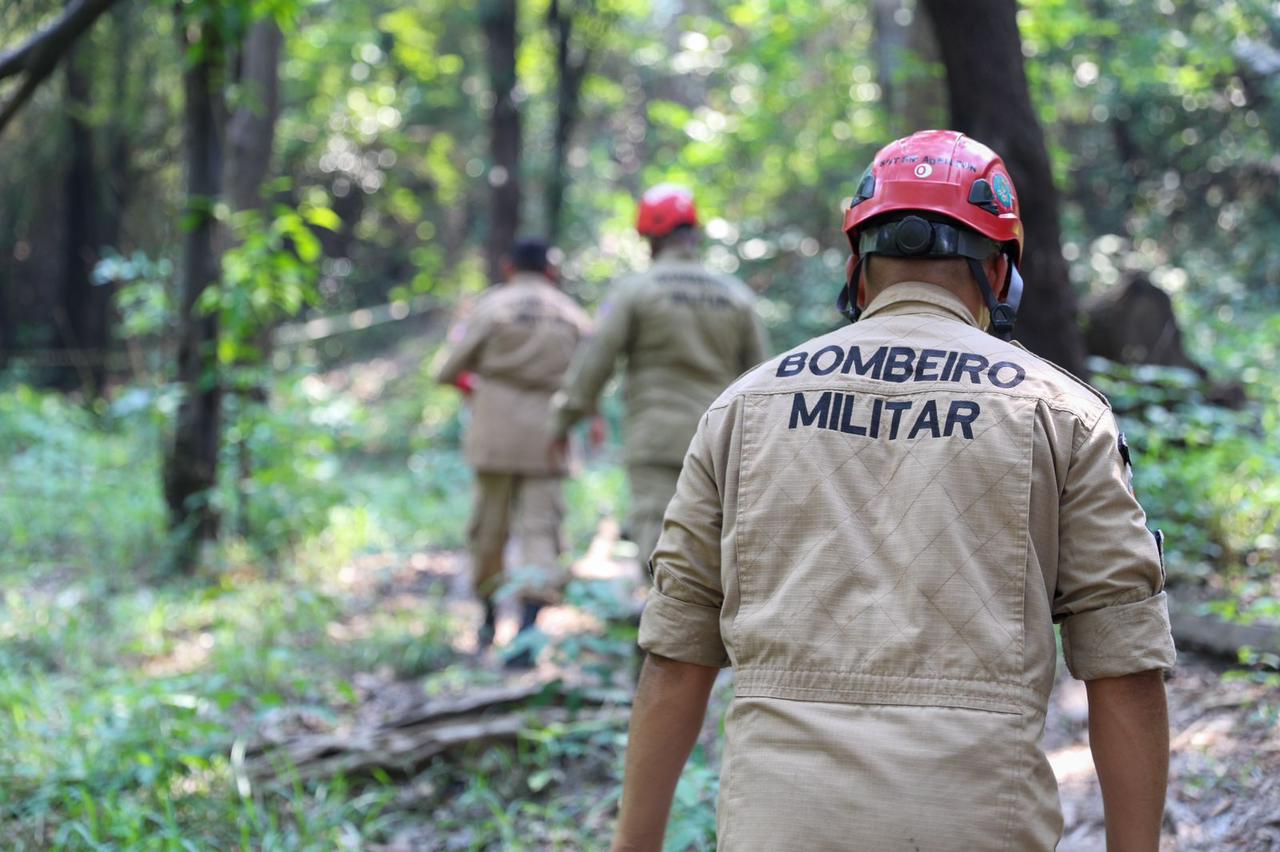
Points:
(84, 308)
(250, 139)
(571, 70)
(191, 467)
(905, 48)
(989, 99)
(504, 172)
(251, 130)
(118, 173)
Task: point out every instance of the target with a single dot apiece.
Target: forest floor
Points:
(1224, 791)
(1224, 788)
(342, 653)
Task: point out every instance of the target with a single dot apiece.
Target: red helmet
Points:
(941, 172)
(664, 208)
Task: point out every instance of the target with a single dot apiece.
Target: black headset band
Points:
(915, 236)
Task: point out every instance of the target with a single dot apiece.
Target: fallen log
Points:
(411, 738)
(1193, 629)
(402, 751)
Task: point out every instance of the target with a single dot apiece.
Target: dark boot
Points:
(523, 659)
(484, 637)
(529, 614)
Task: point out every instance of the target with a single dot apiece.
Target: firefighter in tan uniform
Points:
(878, 530)
(685, 332)
(511, 353)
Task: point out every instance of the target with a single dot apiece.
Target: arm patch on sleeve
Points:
(1123, 446)
(1158, 535)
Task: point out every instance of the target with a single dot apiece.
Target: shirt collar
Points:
(918, 297)
(529, 278)
(676, 254)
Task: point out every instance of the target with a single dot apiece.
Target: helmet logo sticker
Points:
(1003, 190)
(924, 170)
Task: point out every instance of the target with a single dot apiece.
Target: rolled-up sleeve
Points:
(681, 619)
(1110, 593)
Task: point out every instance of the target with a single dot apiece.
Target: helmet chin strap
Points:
(847, 301)
(1004, 315)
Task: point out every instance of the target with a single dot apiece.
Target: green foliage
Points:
(81, 487)
(1160, 122)
(292, 485)
(268, 276)
(123, 702)
(1206, 474)
(693, 811)
(141, 292)
(123, 699)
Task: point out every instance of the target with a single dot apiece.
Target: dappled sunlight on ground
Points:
(1224, 787)
(1226, 754)
(1225, 772)
(188, 655)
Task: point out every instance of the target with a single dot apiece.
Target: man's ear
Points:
(998, 273)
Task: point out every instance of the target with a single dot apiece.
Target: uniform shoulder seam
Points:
(1099, 395)
(625, 288)
(739, 288)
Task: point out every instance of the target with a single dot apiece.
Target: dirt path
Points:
(1225, 770)
(1224, 786)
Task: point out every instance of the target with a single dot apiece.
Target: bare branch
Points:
(10, 107)
(41, 53)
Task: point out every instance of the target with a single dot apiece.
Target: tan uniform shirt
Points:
(878, 531)
(519, 341)
(686, 333)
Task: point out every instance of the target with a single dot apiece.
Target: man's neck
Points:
(676, 251)
(967, 296)
(525, 277)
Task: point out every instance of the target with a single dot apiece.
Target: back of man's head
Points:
(683, 237)
(927, 207)
(530, 254)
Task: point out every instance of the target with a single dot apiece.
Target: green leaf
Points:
(322, 217)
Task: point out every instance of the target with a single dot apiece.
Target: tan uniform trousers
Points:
(531, 507)
(652, 487)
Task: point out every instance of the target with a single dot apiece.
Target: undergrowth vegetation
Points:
(126, 693)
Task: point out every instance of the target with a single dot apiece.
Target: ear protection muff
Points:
(1004, 316)
(1013, 298)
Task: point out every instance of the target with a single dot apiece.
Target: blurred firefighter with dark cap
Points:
(685, 333)
(509, 355)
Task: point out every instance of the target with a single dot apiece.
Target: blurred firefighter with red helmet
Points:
(878, 530)
(684, 332)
